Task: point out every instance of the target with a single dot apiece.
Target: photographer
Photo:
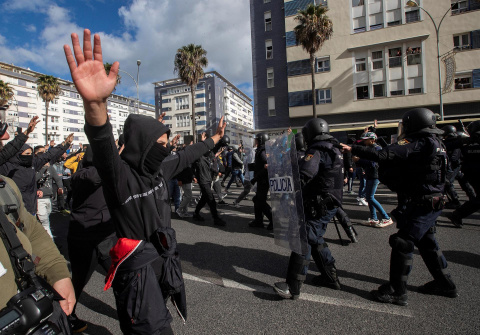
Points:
(47, 261)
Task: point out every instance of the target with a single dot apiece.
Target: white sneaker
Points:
(236, 204)
(180, 213)
(370, 222)
(384, 223)
(363, 202)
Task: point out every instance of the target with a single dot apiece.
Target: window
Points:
(362, 92)
(324, 96)
(270, 81)
(412, 16)
(461, 42)
(268, 21)
(271, 106)
(356, 3)
(377, 60)
(463, 82)
(267, 1)
(323, 64)
(460, 7)
(321, 2)
(181, 102)
(378, 90)
(164, 101)
(269, 49)
(360, 64)
(414, 56)
(395, 57)
(396, 92)
(415, 90)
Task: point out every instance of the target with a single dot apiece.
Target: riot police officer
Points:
(321, 176)
(414, 168)
(260, 176)
(471, 159)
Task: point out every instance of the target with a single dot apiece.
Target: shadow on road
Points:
(463, 257)
(96, 330)
(97, 306)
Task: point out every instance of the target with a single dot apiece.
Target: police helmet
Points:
(420, 121)
(234, 147)
(225, 140)
(230, 148)
(262, 138)
(474, 127)
(316, 130)
(299, 142)
(462, 134)
(449, 131)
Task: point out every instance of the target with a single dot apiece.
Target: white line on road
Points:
(374, 307)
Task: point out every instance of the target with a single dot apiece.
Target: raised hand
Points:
(89, 76)
(69, 139)
(175, 140)
(160, 118)
(220, 131)
(31, 125)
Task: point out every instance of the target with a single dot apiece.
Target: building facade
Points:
(380, 62)
(65, 114)
(215, 97)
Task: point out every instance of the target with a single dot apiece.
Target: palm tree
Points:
(48, 88)
(313, 30)
(107, 67)
(189, 63)
(6, 93)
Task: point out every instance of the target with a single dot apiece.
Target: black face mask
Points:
(26, 160)
(155, 157)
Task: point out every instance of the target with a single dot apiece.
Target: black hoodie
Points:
(138, 201)
(24, 177)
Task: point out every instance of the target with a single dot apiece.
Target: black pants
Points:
(207, 198)
(260, 203)
(228, 172)
(85, 253)
(471, 206)
(67, 185)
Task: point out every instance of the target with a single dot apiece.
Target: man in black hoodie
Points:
(136, 194)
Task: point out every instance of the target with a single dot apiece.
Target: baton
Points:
(338, 231)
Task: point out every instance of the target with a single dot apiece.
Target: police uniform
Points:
(415, 169)
(260, 176)
(321, 174)
(470, 167)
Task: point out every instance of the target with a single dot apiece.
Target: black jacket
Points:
(25, 177)
(260, 174)
(11, 148)
(137, 200)
(204, 169)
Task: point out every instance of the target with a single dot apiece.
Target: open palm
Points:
(87, 70)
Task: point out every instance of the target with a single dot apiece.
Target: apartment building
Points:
(65, 114)
(380, 62)
(215, 97)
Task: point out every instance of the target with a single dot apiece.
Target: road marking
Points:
(374, 307)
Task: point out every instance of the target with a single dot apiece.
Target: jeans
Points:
(44, 208)
(174, 192)
(361, 177)
(187, 196)
(235, 174)
(351, 178)
(373, 204)
(247, 186)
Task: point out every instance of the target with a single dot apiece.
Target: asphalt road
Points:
(229, 272)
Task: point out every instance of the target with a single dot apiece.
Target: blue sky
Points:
(33, 32)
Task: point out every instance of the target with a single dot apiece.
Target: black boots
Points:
(328, 277)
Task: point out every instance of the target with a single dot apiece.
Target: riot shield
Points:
(285, 194)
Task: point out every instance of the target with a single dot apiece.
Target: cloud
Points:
(30, 28)
(152, 31)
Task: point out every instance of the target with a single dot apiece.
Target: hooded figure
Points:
(135, 189)
(22, 169)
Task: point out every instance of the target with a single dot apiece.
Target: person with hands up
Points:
(136, 194)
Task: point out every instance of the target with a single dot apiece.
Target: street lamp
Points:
(138, 72)
(136, 83)
(412, 3)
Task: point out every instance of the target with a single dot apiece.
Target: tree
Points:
(6, 93)
(313, 30)
(189, 63)
(48, 88)
(107, 67)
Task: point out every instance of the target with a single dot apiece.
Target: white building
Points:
(65, 114)
(215, 96)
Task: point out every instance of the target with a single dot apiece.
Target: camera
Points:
(27, 313)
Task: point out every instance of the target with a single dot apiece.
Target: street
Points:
(229, 272)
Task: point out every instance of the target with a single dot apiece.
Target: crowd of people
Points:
(120, 196)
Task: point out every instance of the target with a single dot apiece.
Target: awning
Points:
(389, 42)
